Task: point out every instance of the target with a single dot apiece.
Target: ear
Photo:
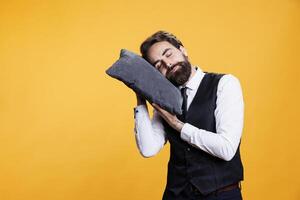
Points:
(183, 50)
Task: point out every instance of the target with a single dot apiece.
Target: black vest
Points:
(191, 164)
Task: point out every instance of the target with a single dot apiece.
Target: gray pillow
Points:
(139, 75)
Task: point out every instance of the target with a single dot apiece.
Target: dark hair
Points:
(159, 36)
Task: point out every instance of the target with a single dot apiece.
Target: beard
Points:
(182, 74)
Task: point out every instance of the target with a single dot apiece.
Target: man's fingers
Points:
(155, 106)
(161, 114)
(158, 108)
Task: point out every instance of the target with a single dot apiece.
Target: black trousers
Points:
(191, 193)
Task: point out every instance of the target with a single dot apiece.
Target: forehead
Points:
(157, 49)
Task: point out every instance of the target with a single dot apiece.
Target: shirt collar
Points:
(194, 82)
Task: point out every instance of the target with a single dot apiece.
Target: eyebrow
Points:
(165, 51)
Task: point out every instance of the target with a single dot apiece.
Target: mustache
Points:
(172, 67)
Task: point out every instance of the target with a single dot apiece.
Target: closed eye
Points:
(169, 54)
(158, 66)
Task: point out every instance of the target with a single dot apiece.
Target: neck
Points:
(193, 71)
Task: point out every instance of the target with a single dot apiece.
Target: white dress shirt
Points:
(229, 114)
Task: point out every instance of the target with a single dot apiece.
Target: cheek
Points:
(163, 71)
(177, 60)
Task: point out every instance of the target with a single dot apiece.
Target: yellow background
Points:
(66, 128)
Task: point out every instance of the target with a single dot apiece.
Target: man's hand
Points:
(171, 119)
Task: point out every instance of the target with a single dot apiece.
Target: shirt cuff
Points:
(187, 132)
(141, 109)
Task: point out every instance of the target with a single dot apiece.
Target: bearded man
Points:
(205, 160)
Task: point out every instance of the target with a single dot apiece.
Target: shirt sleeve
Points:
(149, 133)
(229, 114)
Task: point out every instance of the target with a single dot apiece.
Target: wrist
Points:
(141, 103)
(179, 125)
(140, 100)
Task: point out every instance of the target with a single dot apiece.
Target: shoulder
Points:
(229, 82)
(229, 78)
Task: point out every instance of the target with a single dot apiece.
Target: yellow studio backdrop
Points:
(67, 128)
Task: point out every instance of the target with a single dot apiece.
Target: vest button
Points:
(188, 149)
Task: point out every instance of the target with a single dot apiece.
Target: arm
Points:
(149, 133)
(229, 115)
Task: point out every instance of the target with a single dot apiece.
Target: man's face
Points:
(170, 61)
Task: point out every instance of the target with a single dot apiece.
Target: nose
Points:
(167, 64)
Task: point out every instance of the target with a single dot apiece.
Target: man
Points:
(204, 141)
